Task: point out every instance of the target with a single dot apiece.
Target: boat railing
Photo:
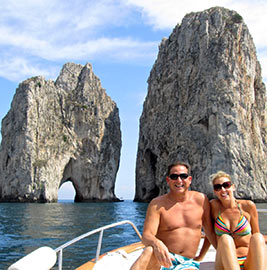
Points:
(100, 230)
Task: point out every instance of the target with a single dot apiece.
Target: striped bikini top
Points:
(243, 227)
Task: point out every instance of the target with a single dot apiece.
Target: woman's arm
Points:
(206, 244)
(254, 220)
(204, 250)
(208, 223)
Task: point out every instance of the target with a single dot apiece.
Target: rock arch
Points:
(55, 131)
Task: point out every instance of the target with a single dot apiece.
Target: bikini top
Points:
(243, 227)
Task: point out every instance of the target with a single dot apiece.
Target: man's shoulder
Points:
(197, 195)
(158, 200)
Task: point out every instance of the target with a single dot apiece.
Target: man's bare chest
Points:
(180, 217)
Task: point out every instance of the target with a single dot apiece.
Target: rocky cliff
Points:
(206, 104)
(67, 130)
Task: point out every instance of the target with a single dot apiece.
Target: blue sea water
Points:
(25, 227)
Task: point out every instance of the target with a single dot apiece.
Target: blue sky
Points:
(120, 38)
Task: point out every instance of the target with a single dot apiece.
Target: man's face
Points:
(178, 178)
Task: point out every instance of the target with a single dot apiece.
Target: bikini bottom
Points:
(241, 261)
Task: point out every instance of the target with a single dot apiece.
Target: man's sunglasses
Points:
(218, 187)
(175, 176)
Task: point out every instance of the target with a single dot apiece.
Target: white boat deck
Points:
(121, 260)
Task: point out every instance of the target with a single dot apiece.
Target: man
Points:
(172, 228)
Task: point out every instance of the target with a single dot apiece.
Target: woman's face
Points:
(223, 188)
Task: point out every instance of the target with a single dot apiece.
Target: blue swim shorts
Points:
(179, 263)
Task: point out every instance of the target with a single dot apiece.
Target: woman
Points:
(240, 245)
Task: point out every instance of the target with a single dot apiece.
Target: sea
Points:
(25, 227)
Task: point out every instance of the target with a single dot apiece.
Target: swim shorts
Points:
(179, 263)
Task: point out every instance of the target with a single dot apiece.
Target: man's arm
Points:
(207, 223)
(150, 230)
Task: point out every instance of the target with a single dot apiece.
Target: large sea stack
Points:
(206, 104)
(67, 130)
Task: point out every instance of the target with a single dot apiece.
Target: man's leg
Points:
(146, 261)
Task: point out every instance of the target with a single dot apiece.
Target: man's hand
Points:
(162, 254)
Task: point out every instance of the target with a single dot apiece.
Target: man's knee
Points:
(144, 259)
(148, 251)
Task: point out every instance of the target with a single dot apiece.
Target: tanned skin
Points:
(173, 223)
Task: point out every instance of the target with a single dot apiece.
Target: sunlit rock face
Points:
(67, 130)
(206, 105)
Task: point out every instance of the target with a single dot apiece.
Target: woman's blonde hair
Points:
(219, 174)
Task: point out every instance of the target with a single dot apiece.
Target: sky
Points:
(120, 38)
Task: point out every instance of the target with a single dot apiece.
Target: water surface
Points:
(25, 227)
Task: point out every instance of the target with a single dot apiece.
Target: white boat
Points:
(122, 258)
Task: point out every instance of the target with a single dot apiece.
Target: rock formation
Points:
(67, 130)
(206, 104)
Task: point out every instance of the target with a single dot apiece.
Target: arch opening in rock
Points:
(66, 191)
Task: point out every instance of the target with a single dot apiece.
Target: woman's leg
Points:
(226, 254)
(257, 254)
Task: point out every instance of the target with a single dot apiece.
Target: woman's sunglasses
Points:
(218, 187)
(175, 176)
